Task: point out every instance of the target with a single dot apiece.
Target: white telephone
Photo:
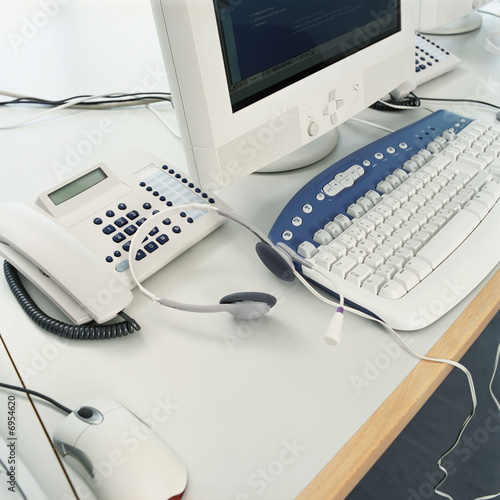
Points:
(73, 242)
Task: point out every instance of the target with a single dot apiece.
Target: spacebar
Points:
(449, 238)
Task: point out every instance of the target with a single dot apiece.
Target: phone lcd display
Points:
(77, 186)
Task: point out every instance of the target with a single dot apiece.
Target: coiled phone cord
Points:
(89, 331)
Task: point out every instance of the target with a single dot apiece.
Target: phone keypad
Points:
(171, 189)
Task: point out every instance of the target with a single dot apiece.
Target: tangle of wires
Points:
(105, 101)
(410, 101)
(413, 101)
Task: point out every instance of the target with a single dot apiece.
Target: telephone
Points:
(73, 242)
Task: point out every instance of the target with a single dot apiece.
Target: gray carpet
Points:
(408, 470)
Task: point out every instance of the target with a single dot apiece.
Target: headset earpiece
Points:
(249, 305)
(277, 261)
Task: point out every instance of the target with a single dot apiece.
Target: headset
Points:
(279, 259)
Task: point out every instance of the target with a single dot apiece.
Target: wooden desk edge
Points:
(353, 461)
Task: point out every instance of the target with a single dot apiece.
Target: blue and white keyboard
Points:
(407, 226)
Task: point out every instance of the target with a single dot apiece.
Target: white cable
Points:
(376, 125)
(170, 129)
(490, 45)
(493, 378)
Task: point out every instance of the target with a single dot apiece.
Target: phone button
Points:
(162, 239)
(140, 255)
(109, 229)
(97, 221)
(151, 247)
(119, 237)
(133, 214)
(121, 222)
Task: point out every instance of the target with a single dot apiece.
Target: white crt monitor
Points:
(256, 84)
(448, 17)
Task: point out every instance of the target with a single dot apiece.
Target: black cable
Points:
(38, 395)
(489, 13)
(89, 331)
(472, 101)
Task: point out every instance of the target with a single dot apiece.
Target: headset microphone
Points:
(332, 335)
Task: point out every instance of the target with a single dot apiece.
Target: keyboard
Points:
(407, 226)
(431, 60)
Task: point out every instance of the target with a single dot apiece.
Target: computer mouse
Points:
(119, 456)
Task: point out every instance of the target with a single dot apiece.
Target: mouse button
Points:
(79, 461)
(160, 461)
(69, 429)
(103, 404)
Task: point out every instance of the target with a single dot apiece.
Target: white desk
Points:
(237, 396)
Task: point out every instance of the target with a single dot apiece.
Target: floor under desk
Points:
(408, 470)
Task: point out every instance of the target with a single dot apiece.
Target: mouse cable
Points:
(38, 395)
(413, 353)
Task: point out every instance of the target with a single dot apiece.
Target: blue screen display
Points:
(269, 44)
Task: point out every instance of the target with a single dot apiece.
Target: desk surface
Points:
(228, 392)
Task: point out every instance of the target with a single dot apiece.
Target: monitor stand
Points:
(465, 24)
(306, 155)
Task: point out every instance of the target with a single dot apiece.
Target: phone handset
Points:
(60, 265)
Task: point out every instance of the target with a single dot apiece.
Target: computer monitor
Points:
(448, 17)
(263, 84)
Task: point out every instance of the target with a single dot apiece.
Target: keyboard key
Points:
(396, 263)
(322, 237)
(373, 196)
(385, 271)
(338, 251)
(418, 267)
(346, 241)
(343, 266)
(356, 232)
(357, 254)
(343, 221)
(359, 274)
(392, 290)
(448, 238)
(355, 210)
(367, 246)
(307, 250)
(373, 283)
(334, 229)
(406, 278)
(477, 207)
(325, 260)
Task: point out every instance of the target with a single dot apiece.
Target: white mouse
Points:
(119, 455)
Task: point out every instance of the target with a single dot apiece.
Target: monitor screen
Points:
(269, 45)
